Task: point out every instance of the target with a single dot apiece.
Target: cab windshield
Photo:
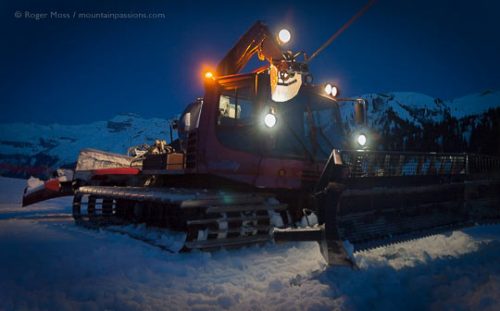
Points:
(307, 126)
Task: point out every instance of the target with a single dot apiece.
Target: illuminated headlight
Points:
(328, 89)
(361, 139)
(270, 120)
(334, 91)
(331, 90)
(284, 36)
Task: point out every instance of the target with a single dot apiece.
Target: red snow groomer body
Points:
(264, 155)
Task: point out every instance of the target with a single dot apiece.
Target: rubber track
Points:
(212, 203)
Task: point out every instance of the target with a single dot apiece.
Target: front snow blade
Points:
(370, 199)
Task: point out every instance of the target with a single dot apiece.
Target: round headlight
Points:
(284, 35)
(334, 91)
(328, 89)
(270, 120)
(361, 139)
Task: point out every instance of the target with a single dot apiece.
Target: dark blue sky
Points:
(76, 71)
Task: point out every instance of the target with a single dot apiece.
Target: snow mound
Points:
(427, 249)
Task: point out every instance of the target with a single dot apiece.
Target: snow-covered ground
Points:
(48, 263)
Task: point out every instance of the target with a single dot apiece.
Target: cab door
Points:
(229, 123)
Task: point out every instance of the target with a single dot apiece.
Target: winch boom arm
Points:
(258, 39)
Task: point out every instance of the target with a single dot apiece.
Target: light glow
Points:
(284, 36)
(209, 75)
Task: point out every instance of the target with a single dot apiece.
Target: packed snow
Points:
(49, 263)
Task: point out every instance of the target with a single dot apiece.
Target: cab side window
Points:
(235, 107)
(235, 123)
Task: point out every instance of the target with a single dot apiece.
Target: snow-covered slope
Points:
(474, 104)
(416, 122)
(49, 263)
(31, 148)
(412, 107)
(419, 108)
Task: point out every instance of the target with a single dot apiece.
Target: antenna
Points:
(342, 29)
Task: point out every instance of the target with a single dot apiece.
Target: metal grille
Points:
(479, 164)
(379, 163)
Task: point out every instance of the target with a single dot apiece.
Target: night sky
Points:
(80, 70)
